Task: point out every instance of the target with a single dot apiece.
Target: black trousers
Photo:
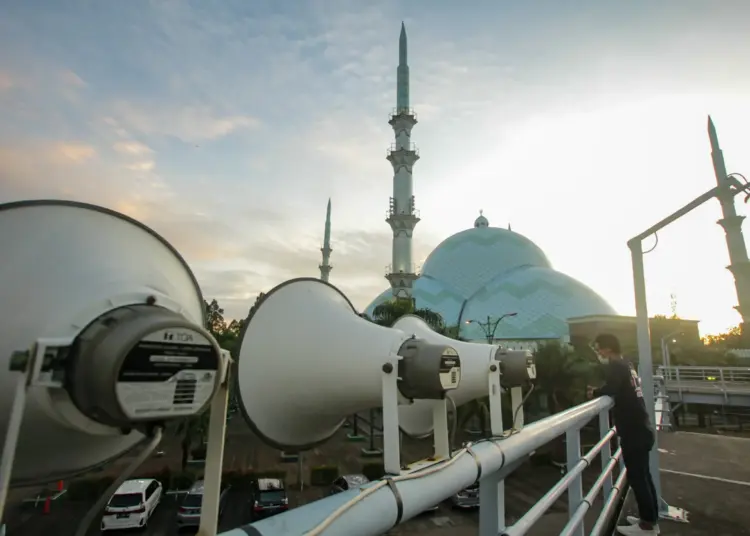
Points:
(639, 478)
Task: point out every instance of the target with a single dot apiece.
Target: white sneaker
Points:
(633, 520)
(635, 530)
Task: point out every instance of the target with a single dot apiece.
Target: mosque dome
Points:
(489, 271)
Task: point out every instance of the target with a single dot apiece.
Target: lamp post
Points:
(665, 358)
(490, 326)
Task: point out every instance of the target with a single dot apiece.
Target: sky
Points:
(226, 126)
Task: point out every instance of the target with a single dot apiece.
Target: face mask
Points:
(602, 360)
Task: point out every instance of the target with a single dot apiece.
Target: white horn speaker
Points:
(307, 360)
(484, 367)
(102, 338)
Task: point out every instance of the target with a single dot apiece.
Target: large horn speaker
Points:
(307, 360)
(511, 368)
(100, 339)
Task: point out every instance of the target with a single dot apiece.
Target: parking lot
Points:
(65, 515)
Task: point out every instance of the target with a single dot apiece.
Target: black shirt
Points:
(631, 417)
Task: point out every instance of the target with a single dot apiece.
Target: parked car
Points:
(268, 497)
(467, 497)
(347, 482)
(189, 512)
(132, 504)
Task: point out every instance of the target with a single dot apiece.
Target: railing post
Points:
(606, 454)
(491, 505)
(575, 491)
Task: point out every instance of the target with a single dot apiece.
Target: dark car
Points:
(347, 482)
(189, 512)
(268, 498)
(467, 497)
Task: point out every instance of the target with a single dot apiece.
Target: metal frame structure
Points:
(732, 186)
(379, 506)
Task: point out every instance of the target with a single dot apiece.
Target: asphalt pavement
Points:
(65, 515)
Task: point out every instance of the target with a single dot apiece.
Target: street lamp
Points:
(490, 326)
(665, 358)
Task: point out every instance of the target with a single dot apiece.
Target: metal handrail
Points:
(714, 375)
(373, 510)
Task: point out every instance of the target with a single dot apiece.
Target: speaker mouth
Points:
(332, 427)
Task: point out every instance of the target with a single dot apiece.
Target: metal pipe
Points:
(576, 519)
(698, 201)
(376, 511)
(609, 506)
(644, 354)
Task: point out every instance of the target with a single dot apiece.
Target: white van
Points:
(132, 504)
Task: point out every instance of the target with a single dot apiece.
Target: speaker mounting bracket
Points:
(496, 401)
(391, 431)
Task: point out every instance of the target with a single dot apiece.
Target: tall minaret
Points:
(325, 267)
(732, 225)
(402, 216)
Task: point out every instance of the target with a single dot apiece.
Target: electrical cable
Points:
(520, 407)
(317, 530)
(656, 236)
(153, 441)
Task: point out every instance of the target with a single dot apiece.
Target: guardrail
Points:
(718, 375)
(379, 506)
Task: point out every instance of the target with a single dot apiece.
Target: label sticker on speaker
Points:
(450, 369)
(168, 374)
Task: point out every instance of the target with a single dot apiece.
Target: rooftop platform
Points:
(709, 476)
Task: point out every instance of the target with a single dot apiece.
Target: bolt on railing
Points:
(379, 506)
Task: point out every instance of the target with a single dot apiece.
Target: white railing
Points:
(379, 506)
(721, 379)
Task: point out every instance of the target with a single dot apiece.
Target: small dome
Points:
(481, 221)
(470, 259)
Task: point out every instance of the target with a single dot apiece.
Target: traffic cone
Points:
(47, 505)
(60, 485)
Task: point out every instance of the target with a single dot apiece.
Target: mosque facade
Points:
(478, 275)
(493, 283)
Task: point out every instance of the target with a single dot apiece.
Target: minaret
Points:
(732, 225)
(325, 267)
(402, 215)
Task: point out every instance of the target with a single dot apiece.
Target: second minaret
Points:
(402, 215)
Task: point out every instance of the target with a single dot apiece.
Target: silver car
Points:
(189, 513)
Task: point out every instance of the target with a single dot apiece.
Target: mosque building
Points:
(493, 283)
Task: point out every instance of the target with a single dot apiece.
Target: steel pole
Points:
(644, 355)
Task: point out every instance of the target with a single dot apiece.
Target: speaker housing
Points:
(477, 378)
(65, 266)
(308, 360)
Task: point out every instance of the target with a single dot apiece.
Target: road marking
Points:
(713, 436)
(706, 477)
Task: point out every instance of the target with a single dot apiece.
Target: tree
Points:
(725, 341)
(562, 375)
(386, 314)
(215, 322)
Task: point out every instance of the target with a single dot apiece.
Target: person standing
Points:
(634, 428)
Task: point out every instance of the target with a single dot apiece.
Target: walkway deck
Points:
(718, 505)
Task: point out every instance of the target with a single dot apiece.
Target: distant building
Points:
(584, 329)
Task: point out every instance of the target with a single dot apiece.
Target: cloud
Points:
(73, 151)
(132, 148)
(6, 81)
(69, 78)
(189, 123)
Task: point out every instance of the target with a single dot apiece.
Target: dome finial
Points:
(481, 221)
